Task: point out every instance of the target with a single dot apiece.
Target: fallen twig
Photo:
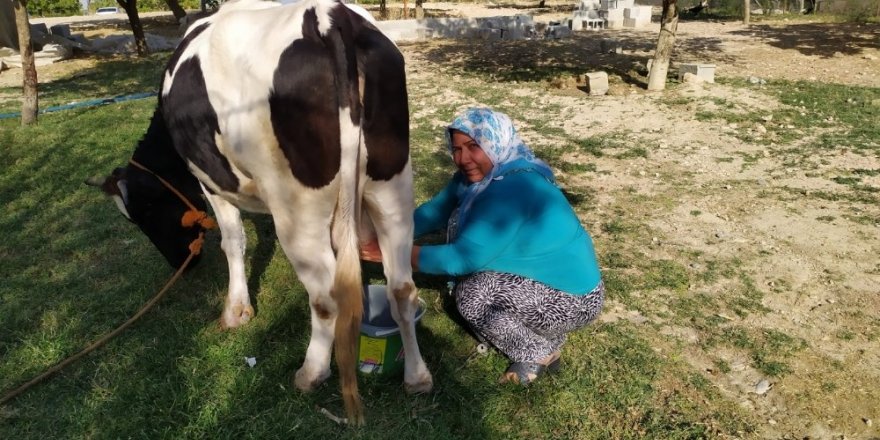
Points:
(331, 416)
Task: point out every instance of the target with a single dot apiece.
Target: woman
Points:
(525, 270)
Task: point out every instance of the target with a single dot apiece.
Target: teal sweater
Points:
(521, 224)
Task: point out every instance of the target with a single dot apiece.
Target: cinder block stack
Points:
(637, 16)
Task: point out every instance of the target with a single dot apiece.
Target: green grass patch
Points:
(73, 269)
(829, 116)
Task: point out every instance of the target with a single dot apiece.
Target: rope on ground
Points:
(58, 367)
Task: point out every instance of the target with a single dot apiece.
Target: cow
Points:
(299, 111)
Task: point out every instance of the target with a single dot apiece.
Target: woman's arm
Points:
(434, 214)
(492, 225)
(370, 252)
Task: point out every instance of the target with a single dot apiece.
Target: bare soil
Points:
(820, 271)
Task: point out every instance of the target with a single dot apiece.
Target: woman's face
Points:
(469, 157)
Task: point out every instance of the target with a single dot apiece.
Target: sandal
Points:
(524, 370)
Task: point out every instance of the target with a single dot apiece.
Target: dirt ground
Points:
(823, 276)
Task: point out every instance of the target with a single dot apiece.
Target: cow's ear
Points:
(114, 186)
(122, 199)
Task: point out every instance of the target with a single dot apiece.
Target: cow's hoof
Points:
(238, 316)
(306, 380)
(423, 385)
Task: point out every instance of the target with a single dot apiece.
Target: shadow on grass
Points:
(544, 60)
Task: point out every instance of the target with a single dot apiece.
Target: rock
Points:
(762, 387)
(690, 78)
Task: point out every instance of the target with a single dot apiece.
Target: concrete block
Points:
(597, 83)
(636, 22)
(589, 4)
(613, 18)
(490, 34)
(62, 30)
(558, 31)
(594, 23)
(511, 27)
(637, 12)
(706, 72)
(612, 14)
(576, 23)
(610, 45)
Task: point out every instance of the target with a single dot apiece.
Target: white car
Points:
(107, 10)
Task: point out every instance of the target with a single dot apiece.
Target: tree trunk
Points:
(29, 105)
(140, 40)
(746, 11)
(178, 12)
(420, 9)
(383, 11)
(665, 43)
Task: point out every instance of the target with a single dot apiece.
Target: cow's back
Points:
(256, 87)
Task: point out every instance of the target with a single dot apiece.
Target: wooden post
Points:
(746, 11)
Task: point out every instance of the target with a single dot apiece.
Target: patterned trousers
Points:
(522, 318)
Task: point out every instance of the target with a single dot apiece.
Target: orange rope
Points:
(190, 218)
(165, 182)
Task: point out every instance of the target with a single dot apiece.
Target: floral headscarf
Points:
(494, 133)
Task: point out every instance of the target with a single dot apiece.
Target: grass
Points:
(73, 269)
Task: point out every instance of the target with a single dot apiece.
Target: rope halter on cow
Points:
(192, 217)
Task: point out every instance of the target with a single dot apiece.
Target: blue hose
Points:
(89, 103)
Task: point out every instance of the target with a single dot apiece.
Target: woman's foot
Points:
(525, 373)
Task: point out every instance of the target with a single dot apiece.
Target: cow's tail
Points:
(347, 285)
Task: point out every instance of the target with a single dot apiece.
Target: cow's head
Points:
(165, 217)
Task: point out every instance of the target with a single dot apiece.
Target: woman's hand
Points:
(370, 252)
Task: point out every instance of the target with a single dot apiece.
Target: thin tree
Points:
(140, 40)
(178, 11)
(746, 11)
(29, 105)
(665, 43)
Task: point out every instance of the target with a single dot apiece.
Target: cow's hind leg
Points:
(306, 242)
(389, 204)
(237, 309)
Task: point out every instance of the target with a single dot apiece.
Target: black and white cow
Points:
(299, 111)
